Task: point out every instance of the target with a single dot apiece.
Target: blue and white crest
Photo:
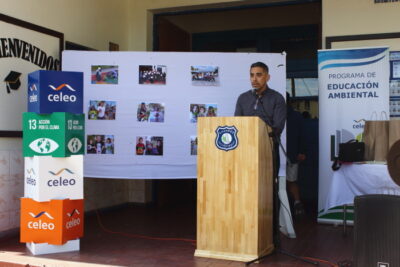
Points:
(226, 138)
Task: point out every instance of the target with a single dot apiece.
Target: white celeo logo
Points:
(74, 221)
(33, 87)
(33, 97)
(40, 225)
(61, 97)
(43, 145)
(74, 145)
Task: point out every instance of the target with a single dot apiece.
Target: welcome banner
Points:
(353, 85)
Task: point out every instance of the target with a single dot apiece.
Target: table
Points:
(355, 179)
(352, 180)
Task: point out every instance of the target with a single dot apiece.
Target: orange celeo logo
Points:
(61, 87)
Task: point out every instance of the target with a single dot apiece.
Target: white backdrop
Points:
(176, 95)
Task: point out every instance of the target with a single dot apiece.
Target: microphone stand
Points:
(276, 200)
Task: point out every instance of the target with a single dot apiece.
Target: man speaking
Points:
(262, 101)
(270, 106)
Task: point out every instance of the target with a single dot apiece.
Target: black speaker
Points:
(377, 231)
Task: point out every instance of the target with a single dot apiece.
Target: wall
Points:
(142, 12)
(92, 23)
(11, 188)
(355, 17)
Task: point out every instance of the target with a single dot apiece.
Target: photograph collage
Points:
(147, 111)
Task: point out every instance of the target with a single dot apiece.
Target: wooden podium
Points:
(234, 190)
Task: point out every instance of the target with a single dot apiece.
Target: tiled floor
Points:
(119, 246)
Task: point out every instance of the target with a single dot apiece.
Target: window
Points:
(289, 87)
(302, 87)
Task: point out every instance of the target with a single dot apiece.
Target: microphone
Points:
(258, 98)
(256, 103)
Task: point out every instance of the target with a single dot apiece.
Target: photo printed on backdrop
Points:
(102, 110)
(205, 75)
(193, 145)
(149, 145)
(202, 110)
(152, 74)
(100, 144)
(150, 112)
(104, 74)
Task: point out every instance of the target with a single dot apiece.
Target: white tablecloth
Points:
(352, 180)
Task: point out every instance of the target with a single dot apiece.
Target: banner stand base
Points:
(44, 248)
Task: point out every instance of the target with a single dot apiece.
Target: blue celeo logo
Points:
(226, 138)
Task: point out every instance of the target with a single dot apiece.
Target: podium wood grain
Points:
(234, 191)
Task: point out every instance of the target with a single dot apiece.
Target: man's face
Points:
(258, 77)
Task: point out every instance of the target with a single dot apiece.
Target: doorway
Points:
(292, 27)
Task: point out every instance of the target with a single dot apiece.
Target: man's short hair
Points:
(261, 65)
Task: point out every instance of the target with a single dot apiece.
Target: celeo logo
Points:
(33, 97)
(72, 222)
(74, 145)
(39, 224)
(32, 87)
(30, 177)
(43, 145)
(359, 124)
(60, 97)
(226, 138)
(61, 181)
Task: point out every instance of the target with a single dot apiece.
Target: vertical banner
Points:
(353, 87)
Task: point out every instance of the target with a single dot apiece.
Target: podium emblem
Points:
(226, 138)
